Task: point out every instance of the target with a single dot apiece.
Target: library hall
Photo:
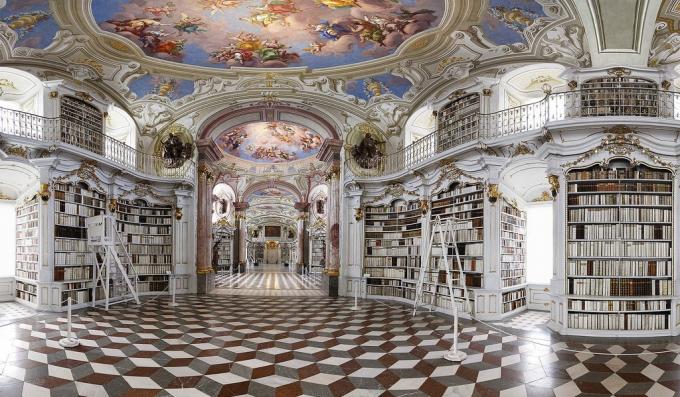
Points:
(321, 198)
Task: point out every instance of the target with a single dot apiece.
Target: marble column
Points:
(240, 234)
(204, 272)
(330, 154)
(302, 236)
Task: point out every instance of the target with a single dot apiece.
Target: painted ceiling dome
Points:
(269, 142)
(267, 33)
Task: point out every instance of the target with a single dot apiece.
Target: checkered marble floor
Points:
(267, 284)
(271, 346)
(12, 311)
(530, 320)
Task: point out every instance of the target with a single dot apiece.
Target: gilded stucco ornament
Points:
(554, 182)
(545, 196)
(621, 141)
(493, 193)
(450, 173)
(178, 213)
(87, 171)
(113, 205)
(520, 149)
(44, 191)
(358, 214)
(424, 206)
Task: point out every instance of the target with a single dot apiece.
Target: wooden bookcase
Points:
(224, 241)
(458, 121)
(27, 249)
(147, 230)
(513, 256)
(392, 247)
(73, 266)
(619, 252)
(82, 124)
(619, 96)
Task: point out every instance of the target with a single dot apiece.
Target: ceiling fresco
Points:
(505, 21)
(272, 192)
(267, 33)
(32, 21)
(379, 85)
(270, 142)
(164, 86)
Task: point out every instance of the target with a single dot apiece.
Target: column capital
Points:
(330, 150)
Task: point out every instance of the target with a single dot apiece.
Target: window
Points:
(7, 238)
(539, 242)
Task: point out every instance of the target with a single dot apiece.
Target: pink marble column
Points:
(302, 235)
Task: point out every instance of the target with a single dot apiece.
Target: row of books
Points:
(467, 249)
(595, 215)
(384, 290)
(378, 226)
(143, 229)
(61, 244)
(71, 259)
(620, 199)
(28, 234)
(386, 261)
(149, 249)
(619, 174)
(514, 305)
(27, 257)
(401, 207)
(26, 287)
(619, 268)
(28, 241)
(587, 187)
(640, 249)
(383, 281)
(152, 220)
(621, 231)
(512, 211)
(76, 286)
(464, 206)
(514, 295)
(77, 209)
(513, 258)
(70, 232)
(27, 211)
(385, 272)
(27, 265)
(146, 239)
(512, 273)
(377, 233)
(512, 245)
(72, 273)
(394, 251)
(123, 208)
(153, 269)
(392, 243)
(618, 322)
(69, 220)
(27, 274)
(139, 259)
(77, 296)
(71, 198)
(619, 287)
(513, 281)
(619, 306)
(468, 264)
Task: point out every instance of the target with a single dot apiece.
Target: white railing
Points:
(612, 102)
(57, 130)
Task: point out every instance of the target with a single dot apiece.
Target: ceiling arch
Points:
(269, 189)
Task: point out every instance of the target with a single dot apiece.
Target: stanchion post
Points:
(69, 340)
(357, 286)
(173, 287)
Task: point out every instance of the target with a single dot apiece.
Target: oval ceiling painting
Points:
(267, 33)
(270, 142)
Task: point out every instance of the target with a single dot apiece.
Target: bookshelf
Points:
(147, 230)
(392, 247)
(465, 203)
(73, 203)
(619, 96)
(619, 259)
(82, 124)
(27, 239)
(318, 247)
(513, 256)
(458, 121)
(223, 239)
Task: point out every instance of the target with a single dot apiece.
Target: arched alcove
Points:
(422, 121)
(120, 126)
(20, 90)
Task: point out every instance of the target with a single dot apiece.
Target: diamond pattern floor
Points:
(272, 346)
(267, 283)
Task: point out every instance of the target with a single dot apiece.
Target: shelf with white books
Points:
(619, 248)
(147, 230)
(73, 203)
(392, 245)
(27, 240)
(513, 251)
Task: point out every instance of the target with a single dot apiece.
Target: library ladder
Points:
(114, 270)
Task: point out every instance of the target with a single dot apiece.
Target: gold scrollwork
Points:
(493, 193)
(424, 206)
(358, 214)
(113, 205)
(44, 191)
(178, 213)
(554, 182)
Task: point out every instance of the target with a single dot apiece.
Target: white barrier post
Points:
(171, 279)
(69, 341)
(357, 286)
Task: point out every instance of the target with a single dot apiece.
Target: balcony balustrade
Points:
(58, 131)
(614, 102)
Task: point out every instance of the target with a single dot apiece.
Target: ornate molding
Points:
(621, 141)
(520, 149)
(145, 191)
(554, 182)
(450, 173)
(493, 193)
(358, 214)
(396, 190)
(545, 196)
(86, 172)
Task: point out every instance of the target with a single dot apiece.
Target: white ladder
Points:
(447, 239)
(113, 270)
